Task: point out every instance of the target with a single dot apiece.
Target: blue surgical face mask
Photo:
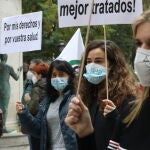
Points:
(59, 84)
(95, 73)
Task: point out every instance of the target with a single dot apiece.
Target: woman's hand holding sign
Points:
(78, 118)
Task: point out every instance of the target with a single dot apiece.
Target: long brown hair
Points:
(121, 83)
(144, 17)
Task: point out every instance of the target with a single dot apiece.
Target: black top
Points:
(137, 135)
(103, 127)
(100, 138)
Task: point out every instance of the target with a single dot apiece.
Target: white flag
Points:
(73, 51)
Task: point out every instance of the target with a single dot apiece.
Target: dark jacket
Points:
(137, 135)
(37, 126)
(103, 128)
(27, 89)
(39, 91)
(100, 138)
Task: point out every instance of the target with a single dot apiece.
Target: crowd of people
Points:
(110, 110)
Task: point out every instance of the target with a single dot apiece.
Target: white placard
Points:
(21, 33)
(77, 12)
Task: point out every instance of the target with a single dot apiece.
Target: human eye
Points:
(88, 61)
(53, 75)
(148, 44)
(98, 61)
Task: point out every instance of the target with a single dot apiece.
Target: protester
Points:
(28, 83)
(121, 87)
(6, 71)
(39, 89)
(132, 129)
(48, 124)
(28, 94)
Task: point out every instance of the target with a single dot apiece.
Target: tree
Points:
(52, 35)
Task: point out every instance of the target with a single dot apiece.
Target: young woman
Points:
(121, 87)
(132, 129)
(48, 124)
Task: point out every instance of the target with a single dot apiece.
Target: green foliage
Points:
(122, 36)
(52, 36)
(146, 4)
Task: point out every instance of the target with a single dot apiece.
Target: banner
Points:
(21, 33)
(77, 12)
(73, 51)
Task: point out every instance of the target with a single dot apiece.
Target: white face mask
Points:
(142, 66)
(29, 75)
(34, 79)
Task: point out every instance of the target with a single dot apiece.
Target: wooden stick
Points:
(86, 41)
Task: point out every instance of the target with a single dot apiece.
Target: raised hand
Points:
(78, 118)
(109, 106)
(19, 107)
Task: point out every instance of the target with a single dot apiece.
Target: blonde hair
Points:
(137, 106)
(144, 17)
(121, 82)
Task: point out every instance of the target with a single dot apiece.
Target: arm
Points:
(119, 126)
(33, 104)
(83, 143)
(39, 91)
(27, 91)
(13, 74)
(28, 87)
(32, 124)
(78, 118)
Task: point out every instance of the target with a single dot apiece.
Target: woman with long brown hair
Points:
(93, 92)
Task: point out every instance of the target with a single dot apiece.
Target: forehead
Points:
(97, 52)
(55, 70)
(143, 31)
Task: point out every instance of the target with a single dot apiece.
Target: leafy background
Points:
(55, 38)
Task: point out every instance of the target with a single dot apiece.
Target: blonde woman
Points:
(132, 130)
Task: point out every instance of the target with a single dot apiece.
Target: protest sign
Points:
(21, 33)
(77, 12)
